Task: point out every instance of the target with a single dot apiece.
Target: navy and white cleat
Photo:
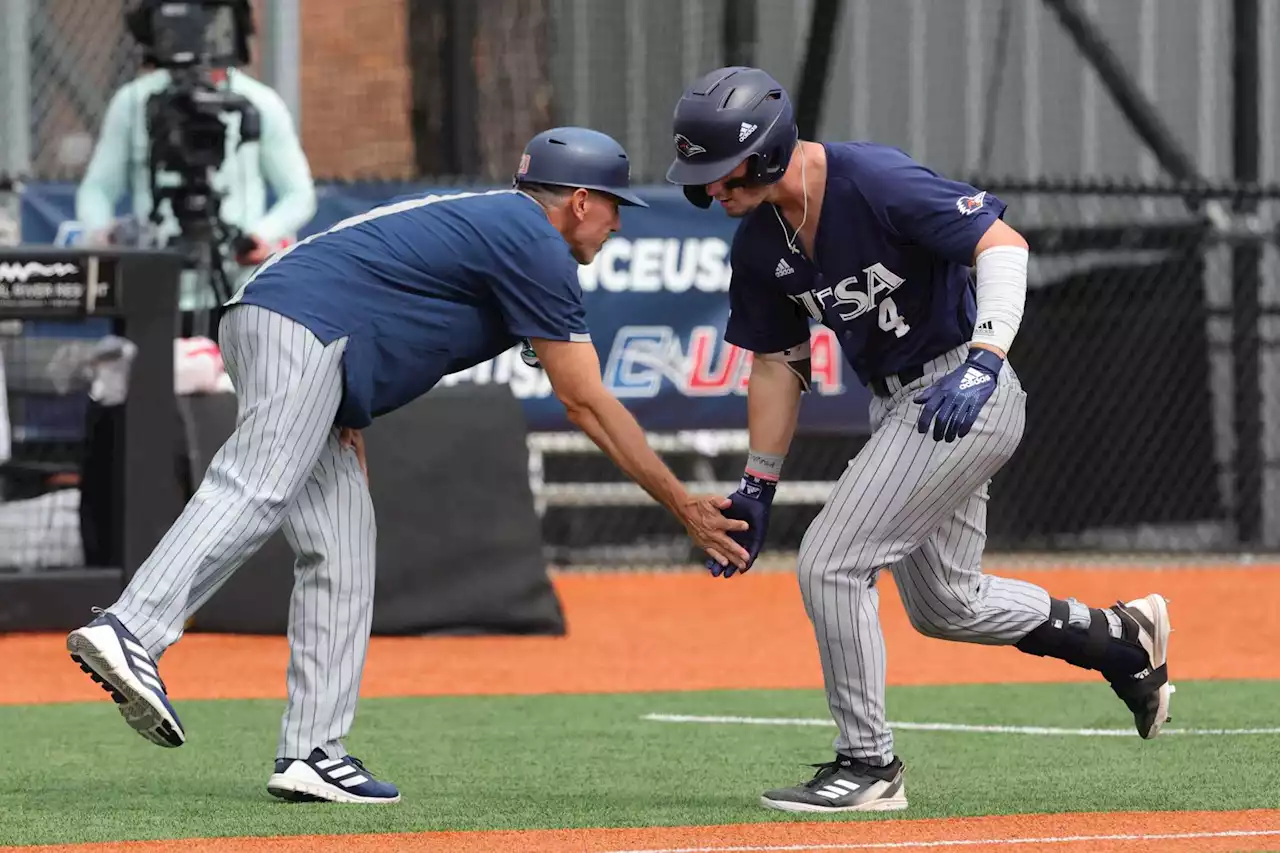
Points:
(320, 778)
(113, 657)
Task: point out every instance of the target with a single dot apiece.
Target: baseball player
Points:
(347, 325)
(924, 283)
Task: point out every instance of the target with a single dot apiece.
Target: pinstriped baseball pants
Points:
(918, 507)
(283, 466)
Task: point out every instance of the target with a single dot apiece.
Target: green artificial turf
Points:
(76, 772)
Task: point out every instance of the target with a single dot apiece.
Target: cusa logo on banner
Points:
(703, 366)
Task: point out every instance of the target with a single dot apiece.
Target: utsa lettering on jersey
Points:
(348, 325)
(923, 284)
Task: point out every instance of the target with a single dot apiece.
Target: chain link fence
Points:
(448, 88)
(1137, 360)
(63, 60)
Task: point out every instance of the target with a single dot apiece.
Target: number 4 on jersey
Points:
(890, 319)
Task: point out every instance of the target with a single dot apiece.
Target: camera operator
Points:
(268, 154)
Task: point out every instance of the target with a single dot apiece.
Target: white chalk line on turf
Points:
(955, 727)
(967, 842)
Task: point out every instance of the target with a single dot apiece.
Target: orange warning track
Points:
(1200, 831)
(641, 632)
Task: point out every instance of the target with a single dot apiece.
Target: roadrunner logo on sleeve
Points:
(969, 203)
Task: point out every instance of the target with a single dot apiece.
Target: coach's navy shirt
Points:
(423, 288)
(891, 273)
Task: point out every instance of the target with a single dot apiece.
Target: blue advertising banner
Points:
(657, 302)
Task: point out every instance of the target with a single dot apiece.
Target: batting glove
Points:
(954, 401)
(751, 503)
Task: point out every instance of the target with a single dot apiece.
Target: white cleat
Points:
(1145, 621)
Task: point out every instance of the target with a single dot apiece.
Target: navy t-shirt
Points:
(892, 276)
(423, 288)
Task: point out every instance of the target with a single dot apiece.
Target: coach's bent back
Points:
(423, 288)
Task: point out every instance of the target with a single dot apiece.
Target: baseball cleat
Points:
(1145, 621)
(844, 785)
(113, 657)
(320, 778)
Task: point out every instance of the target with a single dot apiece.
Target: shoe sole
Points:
(896, 803)
(299, 791)
(134, 700)
(1160, 651)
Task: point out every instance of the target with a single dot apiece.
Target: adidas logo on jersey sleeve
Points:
(783, 268)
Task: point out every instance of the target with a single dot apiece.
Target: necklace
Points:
(791, 238)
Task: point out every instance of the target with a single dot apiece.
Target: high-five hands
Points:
(716, 531)
(750, 504)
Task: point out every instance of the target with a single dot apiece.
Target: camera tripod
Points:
(204, 242)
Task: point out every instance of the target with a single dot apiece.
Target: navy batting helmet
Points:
(731, 115)
(578, 157)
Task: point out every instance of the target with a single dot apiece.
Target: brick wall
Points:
(356, 90)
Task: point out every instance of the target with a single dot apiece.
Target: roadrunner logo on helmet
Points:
(731, 115)
(578, 157)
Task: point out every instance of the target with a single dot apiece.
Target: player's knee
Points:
(816, 568)
(941, 613)
(924, 621)
(818, 561)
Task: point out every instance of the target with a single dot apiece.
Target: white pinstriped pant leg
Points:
(896, 493)
(288, 388)
(331, 529)
(947, 596)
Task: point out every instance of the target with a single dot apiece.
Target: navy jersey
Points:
(423, 288)
(891, 272)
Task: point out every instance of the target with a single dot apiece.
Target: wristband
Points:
(764, 466)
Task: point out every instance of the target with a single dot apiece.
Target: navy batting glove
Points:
(954, 401)
(751, 503)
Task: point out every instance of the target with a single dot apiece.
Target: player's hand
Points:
(354, 439)
(711, 530)
(954, 401)
(751, 503)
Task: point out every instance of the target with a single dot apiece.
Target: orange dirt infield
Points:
(642, 632)
(1167, 832)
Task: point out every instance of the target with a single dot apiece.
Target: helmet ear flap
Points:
(697, 195)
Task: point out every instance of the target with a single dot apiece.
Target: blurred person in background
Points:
(121, 165)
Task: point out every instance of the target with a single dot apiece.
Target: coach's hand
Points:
(354, 439)
(954, 401)
(715, 531)
(751, 503)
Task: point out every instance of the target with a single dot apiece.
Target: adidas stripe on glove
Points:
(954, 401)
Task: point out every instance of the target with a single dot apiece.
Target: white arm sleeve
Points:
(1001, 293)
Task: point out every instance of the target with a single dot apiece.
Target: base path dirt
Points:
(642, 632)
(1166, 832)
